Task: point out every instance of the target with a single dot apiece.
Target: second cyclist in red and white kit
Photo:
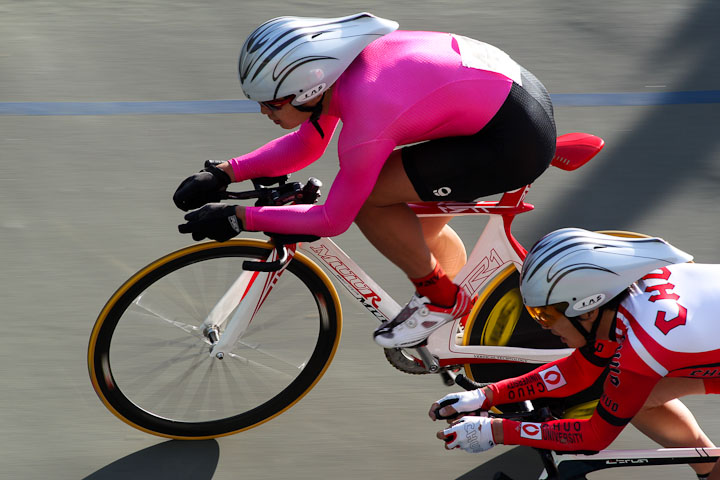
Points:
(638, 298)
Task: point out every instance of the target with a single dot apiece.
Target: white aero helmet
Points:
(304, 56)
(587, 269)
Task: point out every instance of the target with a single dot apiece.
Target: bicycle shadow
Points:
(520, 462)
(174, 459)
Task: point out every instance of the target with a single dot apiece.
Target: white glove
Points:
(472, 434)
(462, 402)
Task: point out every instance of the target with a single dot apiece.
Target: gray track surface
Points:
(86, 201)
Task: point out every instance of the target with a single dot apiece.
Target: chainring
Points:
(404, 361)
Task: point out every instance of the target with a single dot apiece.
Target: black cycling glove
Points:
(216, 221)
(201, 188)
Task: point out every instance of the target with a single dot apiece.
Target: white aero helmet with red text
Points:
(586, 269)
(304, 56)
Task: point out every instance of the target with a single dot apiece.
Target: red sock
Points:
(437, 286)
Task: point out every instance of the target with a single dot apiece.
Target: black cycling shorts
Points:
(511, 151)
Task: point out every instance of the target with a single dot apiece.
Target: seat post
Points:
(514, 198)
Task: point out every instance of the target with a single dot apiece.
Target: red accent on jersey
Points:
(557, 379)
(662, 276)
(595, 433)
(666, 325)
(712, 385)
(664, 294)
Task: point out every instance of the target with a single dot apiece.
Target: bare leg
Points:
(446, 246)
(715, 473)
(667, 421)
(391, 226)
(413, 244)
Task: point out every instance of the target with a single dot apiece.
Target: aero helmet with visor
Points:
(586, 270)
(304, 56)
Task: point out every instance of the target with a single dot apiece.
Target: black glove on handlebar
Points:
(216, 221)
(201, 188)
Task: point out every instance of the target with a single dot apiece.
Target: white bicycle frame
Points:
(494, 252)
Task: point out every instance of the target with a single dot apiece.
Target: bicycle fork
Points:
(242, 300)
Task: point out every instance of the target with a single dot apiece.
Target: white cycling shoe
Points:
(419, 319)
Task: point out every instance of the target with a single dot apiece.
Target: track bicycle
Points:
(217, 338)
(575, 466)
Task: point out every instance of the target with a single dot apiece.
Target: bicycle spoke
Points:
(257, 348)
(145, 377)
(175, 323)
(261, 366)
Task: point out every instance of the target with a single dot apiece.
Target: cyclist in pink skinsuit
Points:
(471, 122)
(379, 112)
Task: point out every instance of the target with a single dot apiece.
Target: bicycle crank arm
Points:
(431, 363)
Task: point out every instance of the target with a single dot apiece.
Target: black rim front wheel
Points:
(149, 360)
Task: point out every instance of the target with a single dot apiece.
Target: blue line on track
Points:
(247, 106)
(635, 99)
(129, 108)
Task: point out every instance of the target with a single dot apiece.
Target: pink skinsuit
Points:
(403, 88)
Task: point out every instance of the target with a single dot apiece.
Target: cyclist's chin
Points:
(284, 125)
(288, 122)
(573, 343)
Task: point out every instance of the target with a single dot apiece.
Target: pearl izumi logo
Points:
(442, 192)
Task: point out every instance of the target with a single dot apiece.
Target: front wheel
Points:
(149, 359)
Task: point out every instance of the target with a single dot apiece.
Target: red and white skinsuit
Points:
(667, 327)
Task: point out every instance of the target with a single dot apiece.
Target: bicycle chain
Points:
(406, 363)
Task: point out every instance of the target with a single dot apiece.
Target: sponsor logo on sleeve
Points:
(552, 378)
(531, 430)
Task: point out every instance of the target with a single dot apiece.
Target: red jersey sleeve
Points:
(560, 378)
(625, 390)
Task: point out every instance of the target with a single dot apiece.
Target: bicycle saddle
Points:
(573, 150)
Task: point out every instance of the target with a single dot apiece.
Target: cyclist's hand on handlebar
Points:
(472, 434)
(455, 405)
(201, 188)
(216, 221)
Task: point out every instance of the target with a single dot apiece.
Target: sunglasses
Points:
(277, 104)
(545, 316)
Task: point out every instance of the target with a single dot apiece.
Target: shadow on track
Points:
(668, 150)
(519, 463)
(175, 459)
